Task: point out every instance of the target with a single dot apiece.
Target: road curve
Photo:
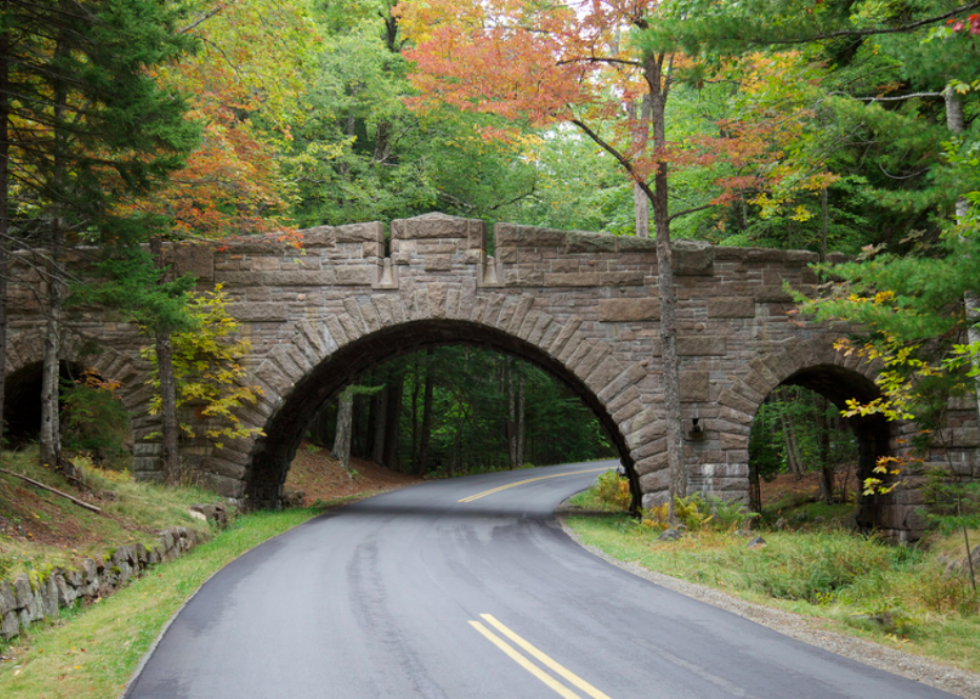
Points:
(469, 588)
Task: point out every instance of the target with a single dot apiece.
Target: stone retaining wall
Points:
(25, 601)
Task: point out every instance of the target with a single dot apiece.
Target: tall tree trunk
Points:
(4, 214)
(824, 223)
(345, 425)
(393, 420)
(50, 433)
(380, 403)
(956, 124)
(426, 417)
(641, 202)
(659, 84)
(415, 417)
(826, 468)
(520, 419)
(793, 459)
(510, 428)
(169, 427)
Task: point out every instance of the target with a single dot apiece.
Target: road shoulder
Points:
(802, 628)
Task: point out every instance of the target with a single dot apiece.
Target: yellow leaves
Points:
(207, 364)
(801, 214)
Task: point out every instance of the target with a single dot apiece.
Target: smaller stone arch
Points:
(26, 349)
(816, 365)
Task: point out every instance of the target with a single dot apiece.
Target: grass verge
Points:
(39, 529)
(858, 585)
(95, 654)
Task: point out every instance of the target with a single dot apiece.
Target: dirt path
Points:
(320, 477)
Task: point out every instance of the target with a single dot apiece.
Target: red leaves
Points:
(512, 72)
(972, 24)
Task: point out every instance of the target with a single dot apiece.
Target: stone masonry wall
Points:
(582, 305)
(24, 601)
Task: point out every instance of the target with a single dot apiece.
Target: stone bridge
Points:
(582, 306)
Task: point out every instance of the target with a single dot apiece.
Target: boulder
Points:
(8, 598)
(47, 593)
(9, 625)
(67, 593)
(23, 591)
(216, 513)
(293, 498)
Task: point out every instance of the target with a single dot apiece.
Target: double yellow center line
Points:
(471, 498)
(535, 670)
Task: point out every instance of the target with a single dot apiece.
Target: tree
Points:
(86, 126)
(246, 85)
(207, 364)
(542, 64)
(345, 423)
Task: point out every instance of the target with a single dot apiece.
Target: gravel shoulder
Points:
(806, 629)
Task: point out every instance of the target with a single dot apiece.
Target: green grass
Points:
(859, 585)
(95, 654)
(132, 512)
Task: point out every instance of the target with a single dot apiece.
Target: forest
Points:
(827, 125)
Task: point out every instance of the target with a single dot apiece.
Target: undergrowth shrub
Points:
(947, 594)
(812, 567)
(614, 490)
(728, 514)
(95, 420)
(696, 512)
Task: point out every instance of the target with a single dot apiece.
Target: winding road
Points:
(469, 588)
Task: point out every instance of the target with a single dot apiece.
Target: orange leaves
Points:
(509, 71)
(522, 60)
(245, 86)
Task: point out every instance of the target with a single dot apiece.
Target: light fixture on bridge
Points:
(697, 428)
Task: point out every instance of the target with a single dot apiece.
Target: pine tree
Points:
(87, 127)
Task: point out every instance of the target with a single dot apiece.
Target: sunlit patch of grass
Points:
(131, 512)
(896, 595)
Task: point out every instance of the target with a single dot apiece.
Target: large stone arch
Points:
(320, 358)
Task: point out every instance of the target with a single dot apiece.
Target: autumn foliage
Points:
(246, 96)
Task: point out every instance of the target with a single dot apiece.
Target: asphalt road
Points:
(469, 588)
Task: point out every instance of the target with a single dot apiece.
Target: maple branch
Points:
(470, 207)
(903, 177)
(692, 210)
(598, 59)
(877, 30)
(627, 165)
(893, 99)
